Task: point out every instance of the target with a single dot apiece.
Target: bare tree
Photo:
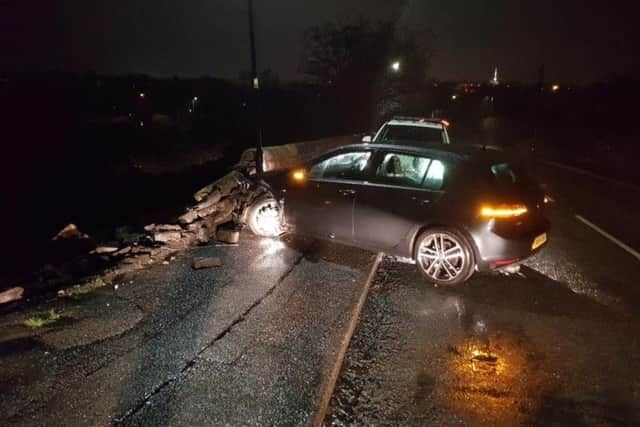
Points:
(373, 70)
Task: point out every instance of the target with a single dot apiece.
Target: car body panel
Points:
(322, 208)
(389, 218)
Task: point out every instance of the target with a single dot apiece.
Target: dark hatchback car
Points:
(453, 210)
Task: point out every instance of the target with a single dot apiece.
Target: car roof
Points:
(416, 123)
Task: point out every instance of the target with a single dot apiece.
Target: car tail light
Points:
(503, 210)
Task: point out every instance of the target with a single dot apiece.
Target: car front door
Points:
(399, 197)
(322, 203)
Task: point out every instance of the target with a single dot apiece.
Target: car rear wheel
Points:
(444, 256)
(264, 218)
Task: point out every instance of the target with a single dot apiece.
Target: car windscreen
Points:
(398, 134)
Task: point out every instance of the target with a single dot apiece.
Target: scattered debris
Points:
(217, 215)
(12, 294)
(123, 251)
(162, 227)
(228, 235)
(199, 263)
(70, 231)
(166, 236)
(105, 250)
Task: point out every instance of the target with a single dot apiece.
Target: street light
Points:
(395, 66)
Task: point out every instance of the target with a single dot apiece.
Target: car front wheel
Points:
(264, 218)
(444, 256)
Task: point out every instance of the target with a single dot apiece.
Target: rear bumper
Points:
(498, 244)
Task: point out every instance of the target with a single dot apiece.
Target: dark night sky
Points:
(576, 40)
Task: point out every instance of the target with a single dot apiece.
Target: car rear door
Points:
(399, 197)
(323, 204)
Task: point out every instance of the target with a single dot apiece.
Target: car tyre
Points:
(444, 256)
(264, 217)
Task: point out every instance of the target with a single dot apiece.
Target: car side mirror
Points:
(366, 138)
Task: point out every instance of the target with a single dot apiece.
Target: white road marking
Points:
(333, 376)
(621, 244)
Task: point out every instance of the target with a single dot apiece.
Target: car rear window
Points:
(508, 176)
(399, 134)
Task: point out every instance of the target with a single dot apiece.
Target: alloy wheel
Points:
(442, 257)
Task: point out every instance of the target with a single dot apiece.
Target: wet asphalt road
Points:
(258, 341)
(557, 344)
(250, 343)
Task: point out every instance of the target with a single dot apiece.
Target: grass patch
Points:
(38, 322)
(85, 288)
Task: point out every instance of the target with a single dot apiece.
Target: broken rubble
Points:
(228, 235)
(70, 231)
(123, 251)
(12, 294)
(224, 186)
(188, 217)
(199, 263)
(105, 250)
(162, 227)
(166, 236)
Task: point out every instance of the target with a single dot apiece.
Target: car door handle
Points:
(347, 192)
(422, 202)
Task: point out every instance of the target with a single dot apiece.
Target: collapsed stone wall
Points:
(217, 215)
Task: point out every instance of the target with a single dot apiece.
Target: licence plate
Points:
(539, 241)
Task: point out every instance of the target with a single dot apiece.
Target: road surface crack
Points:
(192, 362)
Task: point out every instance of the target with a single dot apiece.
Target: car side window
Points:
(347, 166)
(406, 170)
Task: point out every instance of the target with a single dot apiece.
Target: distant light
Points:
(446, 123)
(195, 98)
(141, 124)
(141, 94)
(555, 88)
(454, 97)
(190, 110)
(395, 66)
(256, 83)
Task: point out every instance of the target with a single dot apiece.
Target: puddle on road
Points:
(496, 381)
